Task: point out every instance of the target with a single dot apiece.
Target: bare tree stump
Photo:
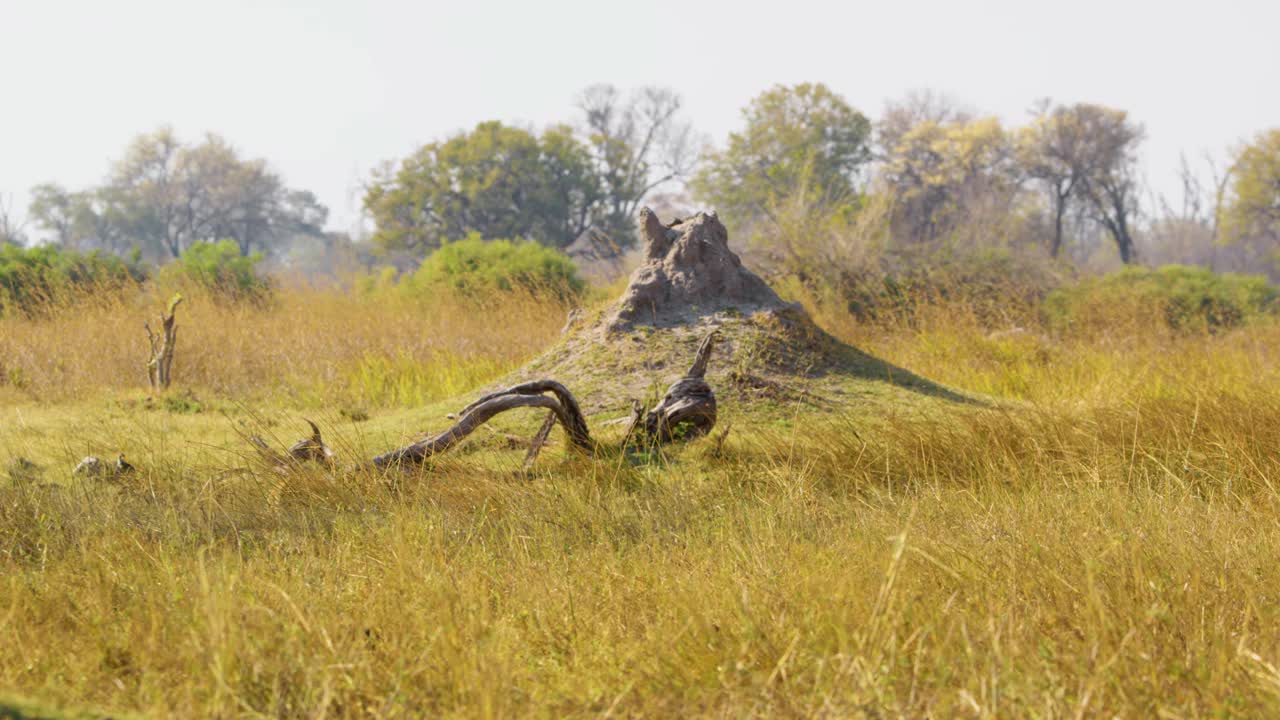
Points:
(308, 449)
(688, 410)
(162, 344)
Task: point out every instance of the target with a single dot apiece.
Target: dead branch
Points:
(312, 448)
(309, 449)
(687, 410)
(563, 405)
(539, 440)
(689, 407)
(162, 344)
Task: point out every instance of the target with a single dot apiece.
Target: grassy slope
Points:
(1105, 548)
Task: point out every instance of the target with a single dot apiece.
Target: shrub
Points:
(1183, 298)
(475, 266)
(995, 287)
(219, 268)
(33, 278)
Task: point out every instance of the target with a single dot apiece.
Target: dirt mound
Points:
(689, 272)
(691, 283)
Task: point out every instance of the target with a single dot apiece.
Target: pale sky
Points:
(326, 90)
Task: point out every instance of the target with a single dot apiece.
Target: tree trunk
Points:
(1060, 209)
(162, 344)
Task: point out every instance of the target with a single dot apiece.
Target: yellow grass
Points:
(313, 345)
(1102, 543)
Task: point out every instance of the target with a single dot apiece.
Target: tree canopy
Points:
(163, 196)
(940, 173)
(798, 138)
(500, 181)
(1086, 154)
(1252, 209)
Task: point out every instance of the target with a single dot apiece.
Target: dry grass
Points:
(310, 345)
(1102, 546)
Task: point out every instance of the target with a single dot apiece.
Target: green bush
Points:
(219, 268)
(1184, 298)
(476, 266)
(33, 278)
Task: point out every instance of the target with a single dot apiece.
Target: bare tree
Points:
(1087, 152)
(639, 142)
(12, 232)
(913, 109)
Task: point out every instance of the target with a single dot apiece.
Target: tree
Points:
(1111, 186)
(497, 181)
(941, 174)
(168, 196)
(638, 143)
(1088, 153)
(11, 231)
(800, 137)
(915, 108)
(77, 220)
(145, 189)
(1053, 150)
(1252, 208)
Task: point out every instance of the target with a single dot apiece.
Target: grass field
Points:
(1096, 540)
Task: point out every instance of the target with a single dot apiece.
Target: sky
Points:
(327, 90)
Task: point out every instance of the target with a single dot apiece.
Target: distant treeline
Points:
(810, 184)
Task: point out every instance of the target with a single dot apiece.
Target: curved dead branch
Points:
(563, 406)
(687, 410)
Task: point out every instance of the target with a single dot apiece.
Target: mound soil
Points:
(691, 283)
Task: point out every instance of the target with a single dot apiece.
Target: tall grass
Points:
(307, 344)
(1099, 545)
(1111, 562)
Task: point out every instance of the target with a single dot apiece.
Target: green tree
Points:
(222, 269)
(941, 174)
(1251, 212)
(474, 266)
(496, 181)
(796, 138)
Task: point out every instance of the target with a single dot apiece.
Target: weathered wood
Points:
(312, 448)
(688, 410)
(539, 439)
(636, 423)
(689, 406)
(162, 345)
(563, 406)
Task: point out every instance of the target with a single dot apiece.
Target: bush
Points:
(475, 266)
(995, 287)
(1183, 298)
(219, 268)
(33, 278)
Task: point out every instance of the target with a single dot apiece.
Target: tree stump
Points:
(160, 361)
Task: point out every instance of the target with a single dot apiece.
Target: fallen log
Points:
(686, 411)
